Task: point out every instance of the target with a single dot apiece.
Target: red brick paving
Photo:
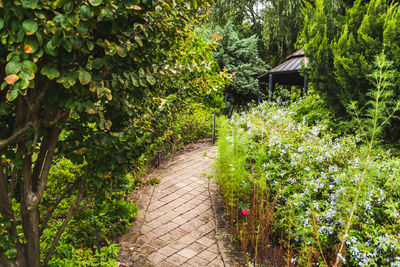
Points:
(178, 226)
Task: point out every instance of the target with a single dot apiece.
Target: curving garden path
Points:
(176, 225)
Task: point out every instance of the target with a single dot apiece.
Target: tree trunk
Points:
(30, 217)
(30, 222)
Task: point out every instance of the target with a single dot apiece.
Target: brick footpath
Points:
(175, 225)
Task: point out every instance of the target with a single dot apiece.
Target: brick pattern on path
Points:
(175, 225)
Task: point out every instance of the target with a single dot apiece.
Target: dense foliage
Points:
(283, 19)
(342, 46)
(95, 82)
(276, 24)
(271, 26)
(288, 182)
(239, 57)
(108, 217)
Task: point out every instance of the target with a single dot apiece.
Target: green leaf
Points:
(27, 75)
(135, 82)
(95, 2)
(158, 9)
(141, 72)
(13, 67)
(20, 35)
(143, 82)
(151, 79)
(30, 26)
(1, 23)
(3, 85)
(194, 4)
(28, 65)
(50, 71)
(84, 77)
(22, 84)
(65, 24)
(12, 94)
(72, 79)
(73, 19)
(30, 3)
(90, 46)
(139, 41)
(28, 70)
(85, 12)
(31, 44)
(40, 15)
(66, 44)
(83, 27)
(58, 3)
(98, 63)
(50, 49)
(166, 6)
(68, 7)
(187, 5)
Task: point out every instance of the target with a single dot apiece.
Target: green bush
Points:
(67, 255)
(193, 123)
(292, 184)
(111, 217)
(110, 214)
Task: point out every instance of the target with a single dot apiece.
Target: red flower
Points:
(245, 212)
(245, 198)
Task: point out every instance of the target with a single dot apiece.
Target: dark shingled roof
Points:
(293, 62)
(288, 71)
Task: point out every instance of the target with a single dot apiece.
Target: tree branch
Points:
(59, 116)
(52, 143)
(21, 131)
(66, 221)
(37, 169)
(55, 132)
(53, 208)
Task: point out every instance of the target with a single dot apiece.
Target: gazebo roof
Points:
(292, 64)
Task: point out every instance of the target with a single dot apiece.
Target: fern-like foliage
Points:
(381, 105)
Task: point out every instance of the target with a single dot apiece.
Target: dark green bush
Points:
(111, 215)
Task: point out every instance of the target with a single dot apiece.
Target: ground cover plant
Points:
(325, 200)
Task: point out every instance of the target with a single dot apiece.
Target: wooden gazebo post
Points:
(270, 87)
(305, 84)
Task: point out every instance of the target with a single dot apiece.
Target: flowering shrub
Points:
(304, 183)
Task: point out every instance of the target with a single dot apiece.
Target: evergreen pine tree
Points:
(322, 19)
(240, 58)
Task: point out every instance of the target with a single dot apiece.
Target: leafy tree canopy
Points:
(282, 22)
(93, 81)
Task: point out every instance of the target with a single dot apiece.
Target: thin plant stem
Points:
(376, 126)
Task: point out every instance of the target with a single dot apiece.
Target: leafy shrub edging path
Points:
(176, 224)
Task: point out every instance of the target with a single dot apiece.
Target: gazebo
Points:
(287, 73)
